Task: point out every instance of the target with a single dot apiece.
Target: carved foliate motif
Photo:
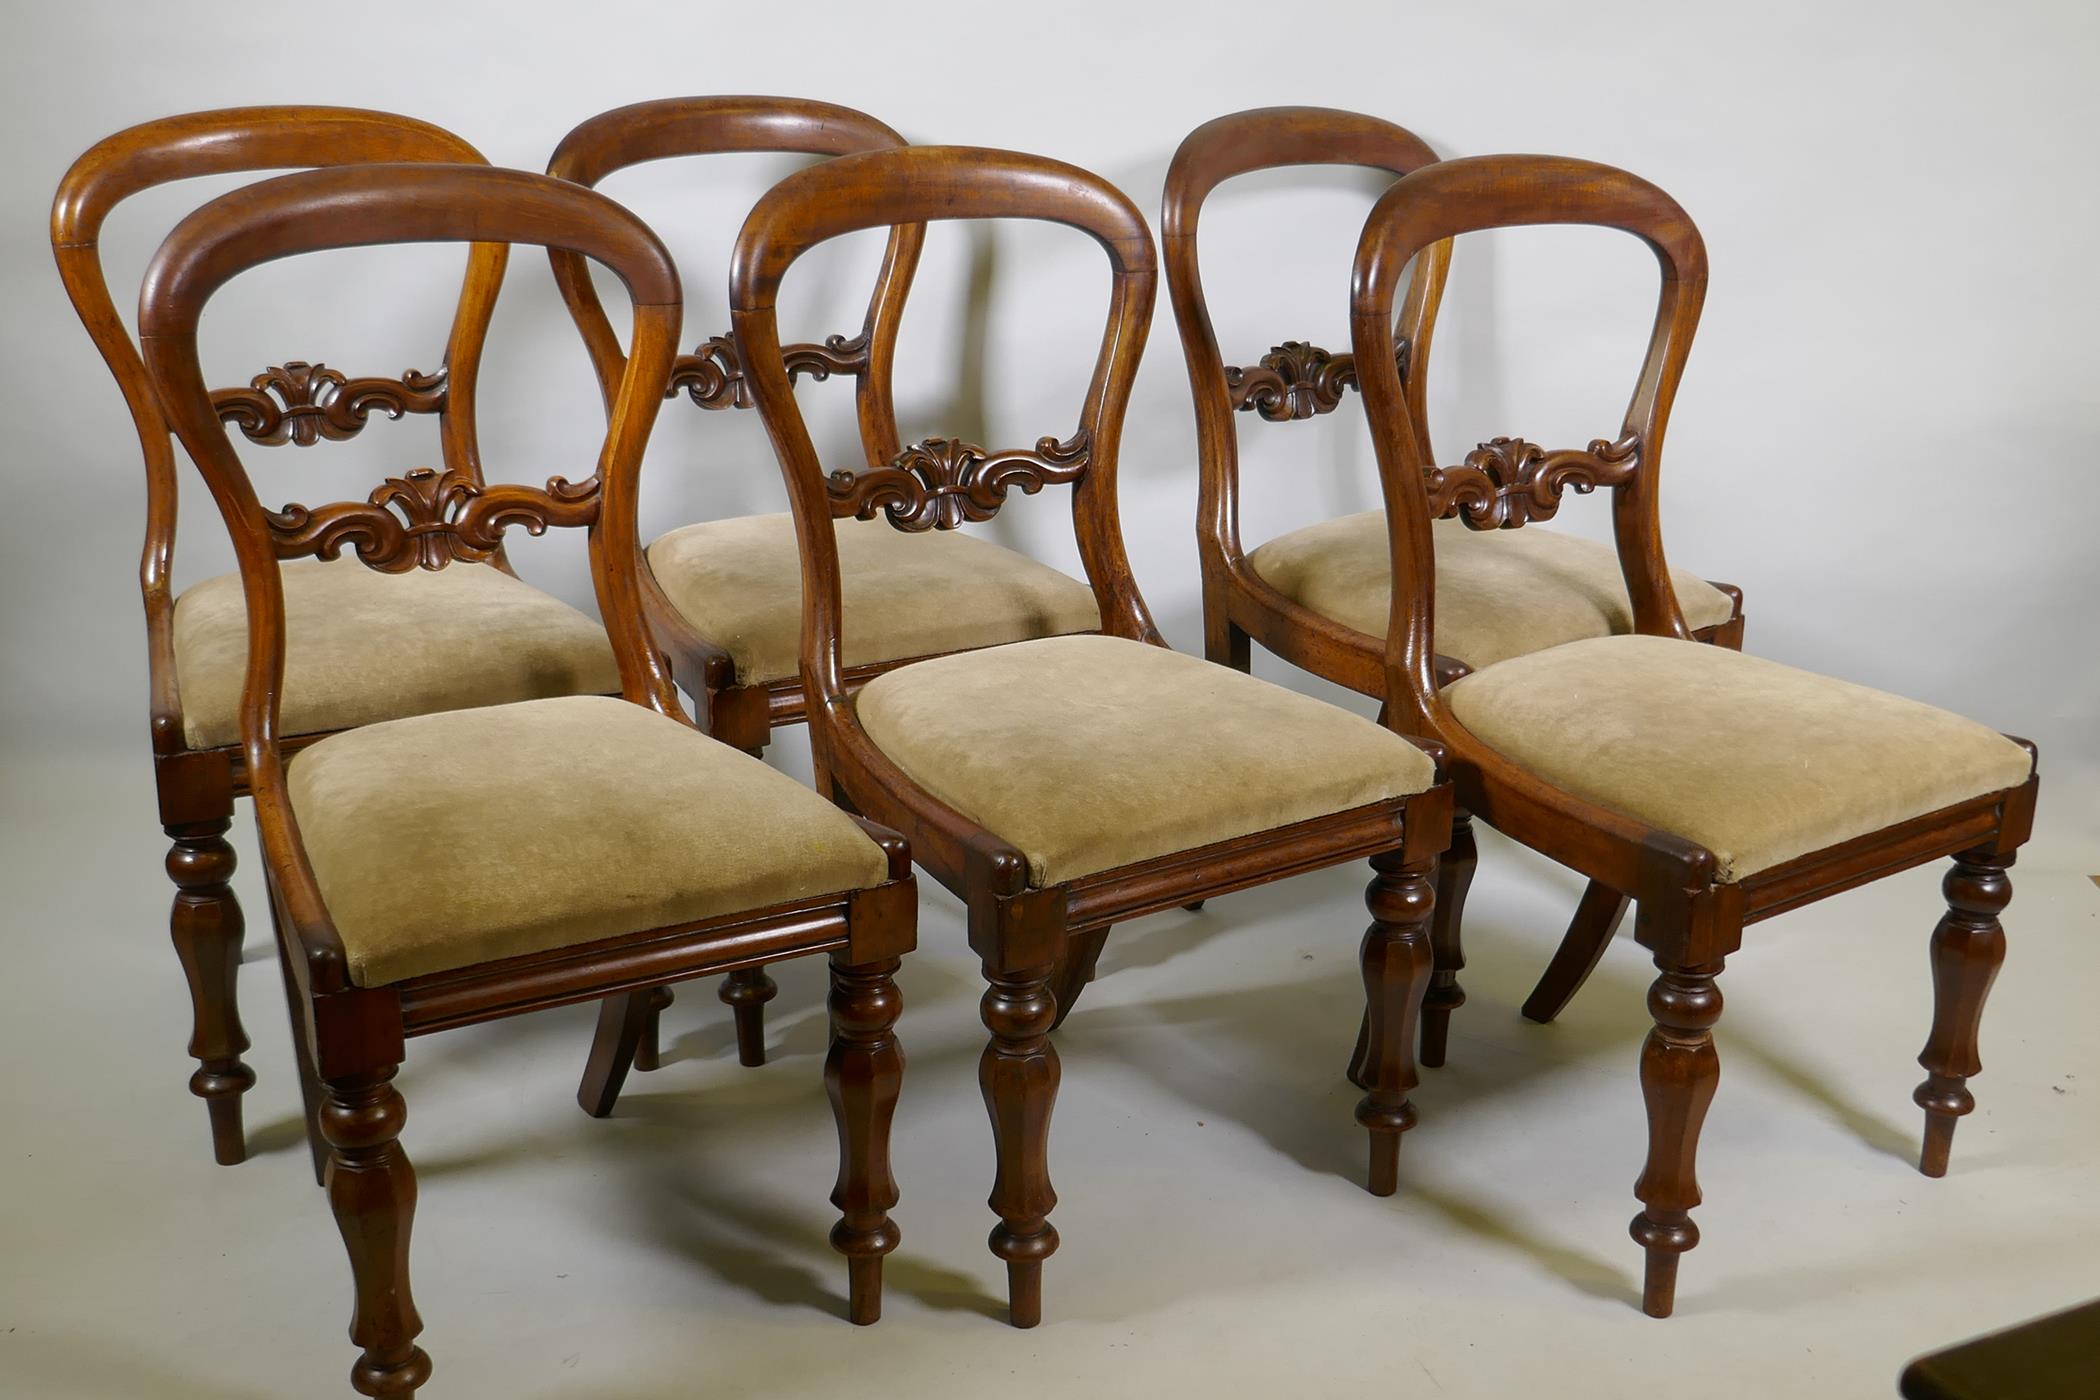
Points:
(1298, 380)
(713, 377)
(1507, 482)
(428, 519)
(312, 402)
(941, 482)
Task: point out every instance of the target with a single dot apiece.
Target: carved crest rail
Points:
(1298, 380)
(428, 519)
(312, 402)
(1507, 482)
(941, 482)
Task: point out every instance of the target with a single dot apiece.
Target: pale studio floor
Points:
(1216, 1241)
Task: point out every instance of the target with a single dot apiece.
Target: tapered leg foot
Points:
(207, 927)
(862, 1074)
(746, 992)
(1967, 949)
(622, 1022)
(1082, 957)
(1597, 919)
(372, 1190)
(1397, 963)
(648, 1053)
(1454, 876)
(1018, 1075)
(1679, 1071)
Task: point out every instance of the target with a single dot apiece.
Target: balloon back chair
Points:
(1710, 788)
(452, 868)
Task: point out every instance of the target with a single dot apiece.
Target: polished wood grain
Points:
(1689, 921)
(354, 1036)
(1037, 944)
(296, 402)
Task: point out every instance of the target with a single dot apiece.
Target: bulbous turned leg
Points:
(745, 992)
(1679, 1070)
(862, 1074)
(1018, 1073)
(1967, 947)
(647, 1053)
(207, 927)
(1082, 957)
(373, 1192)
(1397, 963)
(1454, 876)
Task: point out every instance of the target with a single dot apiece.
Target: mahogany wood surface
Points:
(1037, 943)
(1686, 919)
(355, 1035)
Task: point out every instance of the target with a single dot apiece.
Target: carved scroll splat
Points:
(1298, 380)
(1507, 482)
(713, 377)
(442, 517)
(941, 482)
(313, 402)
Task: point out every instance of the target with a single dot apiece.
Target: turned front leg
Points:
(1454, 877)
(207, 927)
(647, 1054)
(1397, 962)
(745, 992)
(1018, 1073)
(373, 1193)
(1967, 948)
(862, 1074)
(1679, 1071)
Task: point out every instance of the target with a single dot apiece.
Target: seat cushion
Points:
(362, 646)
(1087, 753)
(453, 839)
(739, 583)
(1499, 593)
(1755, 761)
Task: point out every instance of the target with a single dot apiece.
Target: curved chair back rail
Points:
(442, 516)
(698, 126)
(1296, 379)
(315, 401)
(940, 482)
(1508, 481)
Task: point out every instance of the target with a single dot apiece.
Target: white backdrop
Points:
(1886, 436)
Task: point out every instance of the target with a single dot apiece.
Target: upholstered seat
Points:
(363, 646)
(1755, 761)
(1499, 593)
(739, 583)
(1092, 752)
(452, 839)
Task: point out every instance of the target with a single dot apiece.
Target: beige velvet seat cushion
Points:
(1755, 761)
(1499, 593)
(362, 646)
(1087, 753)
(453, 839)
(739, 583)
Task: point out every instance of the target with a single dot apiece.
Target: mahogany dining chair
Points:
(1319, 596)
(451, 868)
(470, 636)
(722, 595)
(1061, 785)
(1711, 788)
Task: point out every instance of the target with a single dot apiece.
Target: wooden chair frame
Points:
(197, 787)
(1038, 945)
(712, 377)
(1298, 380)
(1690, 923)
(351, 1037)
